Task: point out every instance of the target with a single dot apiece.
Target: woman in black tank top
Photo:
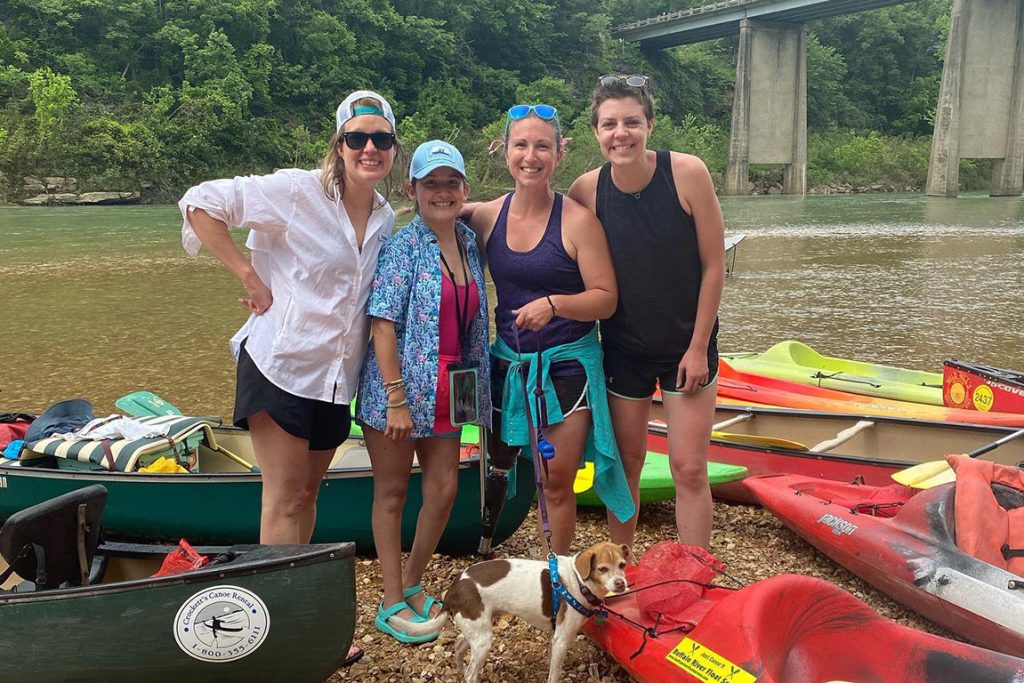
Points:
(666, 233)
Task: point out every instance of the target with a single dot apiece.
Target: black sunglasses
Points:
(357, 139)
(633, 81)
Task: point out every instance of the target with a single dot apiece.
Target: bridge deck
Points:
(723, 18)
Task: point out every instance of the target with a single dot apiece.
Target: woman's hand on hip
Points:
(260, 298)
(534, 315)
(399, 425)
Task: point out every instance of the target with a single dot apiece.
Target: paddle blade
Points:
(929, 474)
(145, 403)
(926, 475)
(584, 478)
(759, 441)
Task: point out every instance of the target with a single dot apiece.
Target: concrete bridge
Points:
(723, 19)
(980, 112)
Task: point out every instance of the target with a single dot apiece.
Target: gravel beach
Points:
(751, 542)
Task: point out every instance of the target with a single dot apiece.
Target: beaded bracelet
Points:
(403, 402)
(392, 389)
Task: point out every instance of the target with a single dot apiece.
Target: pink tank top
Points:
(448, 347)
(448, 344)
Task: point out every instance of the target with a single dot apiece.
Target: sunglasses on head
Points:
(633, 81)
(357, 139)
(521, 111)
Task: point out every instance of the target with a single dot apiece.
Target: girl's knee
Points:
(690, 473)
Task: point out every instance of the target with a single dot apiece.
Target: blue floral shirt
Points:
(407, 290)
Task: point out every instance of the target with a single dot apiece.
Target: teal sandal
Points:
(381, 622)
(427, 603)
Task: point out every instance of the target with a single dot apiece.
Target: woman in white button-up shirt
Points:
(315, 236)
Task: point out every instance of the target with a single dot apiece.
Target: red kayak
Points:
(906, 546)
(746, 388)
(974, 386)
(786, 629)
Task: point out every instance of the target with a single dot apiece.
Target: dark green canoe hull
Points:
(299, 630)
(224, 508)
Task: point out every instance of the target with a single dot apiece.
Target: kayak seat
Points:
(53, 543)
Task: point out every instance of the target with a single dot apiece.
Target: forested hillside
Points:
(158, 94)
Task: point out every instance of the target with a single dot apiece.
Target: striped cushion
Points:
(126, 452)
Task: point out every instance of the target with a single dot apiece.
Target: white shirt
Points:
(312, 340)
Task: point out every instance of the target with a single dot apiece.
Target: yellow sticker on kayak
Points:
(983, 398)
(705, 664)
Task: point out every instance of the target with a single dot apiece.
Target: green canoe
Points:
(220, 503)
(796, 362)
(257, 613)
(656, 480)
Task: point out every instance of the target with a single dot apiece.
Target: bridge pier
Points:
(980, 113)
(769, 113)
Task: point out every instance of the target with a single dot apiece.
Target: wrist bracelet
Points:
(403, 402)
(554, 311)
(394, 383)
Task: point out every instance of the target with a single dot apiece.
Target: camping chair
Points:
(53, 543)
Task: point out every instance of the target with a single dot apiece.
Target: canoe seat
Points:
(53, 543)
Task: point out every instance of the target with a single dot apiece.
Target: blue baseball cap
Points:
(435, 154)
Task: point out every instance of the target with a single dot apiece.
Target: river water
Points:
(101, 301)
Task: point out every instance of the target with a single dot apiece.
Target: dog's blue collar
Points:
(559, 593)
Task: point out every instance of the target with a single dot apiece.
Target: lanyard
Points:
(462, 317)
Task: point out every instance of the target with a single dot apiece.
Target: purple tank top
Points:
(522, 276)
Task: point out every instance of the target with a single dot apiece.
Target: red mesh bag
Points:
(182, 559)
(682, 570)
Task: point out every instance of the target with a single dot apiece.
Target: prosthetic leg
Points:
(500, 459)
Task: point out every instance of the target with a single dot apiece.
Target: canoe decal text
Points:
(705, 664)
(838, 525)
(221, 624)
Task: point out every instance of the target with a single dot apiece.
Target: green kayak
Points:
(796, 362)
(655, 480)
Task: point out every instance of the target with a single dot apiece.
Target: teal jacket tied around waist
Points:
(609, 477)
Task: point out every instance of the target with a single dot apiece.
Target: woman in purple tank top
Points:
(550, 264)
(663, 222)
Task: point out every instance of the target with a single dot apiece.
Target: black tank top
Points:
(654, 247)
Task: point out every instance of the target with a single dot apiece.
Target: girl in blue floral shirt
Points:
(428, 311)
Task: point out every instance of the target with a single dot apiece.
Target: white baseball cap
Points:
(347, 109)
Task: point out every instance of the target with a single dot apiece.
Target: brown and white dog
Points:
(523, 588)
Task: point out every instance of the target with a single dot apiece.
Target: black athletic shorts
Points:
(325, 425)
(630, 376)
(571, 389)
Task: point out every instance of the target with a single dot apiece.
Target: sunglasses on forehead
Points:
(357, 139)
(633, 81)
(521, 111)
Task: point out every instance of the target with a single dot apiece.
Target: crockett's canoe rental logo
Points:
(221, 624)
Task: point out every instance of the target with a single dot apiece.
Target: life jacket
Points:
(988, 528)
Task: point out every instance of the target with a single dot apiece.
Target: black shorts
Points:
(325, 425)
(631, 376)
(570, 389)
